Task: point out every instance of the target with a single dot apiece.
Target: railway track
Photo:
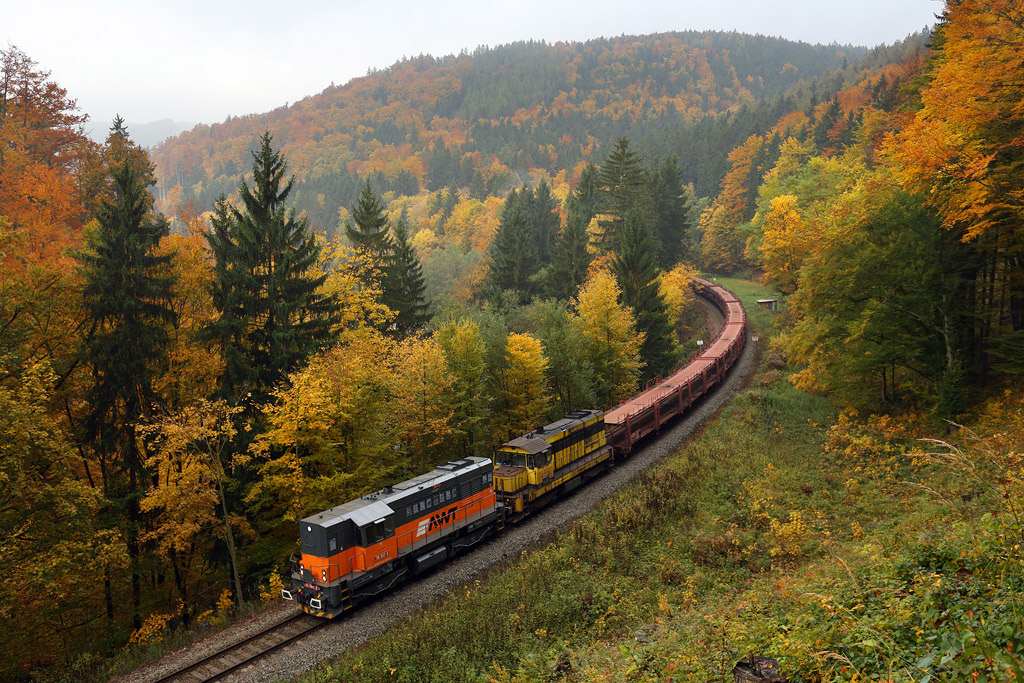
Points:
(236, 656)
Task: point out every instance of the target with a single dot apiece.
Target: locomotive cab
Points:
(530, 468)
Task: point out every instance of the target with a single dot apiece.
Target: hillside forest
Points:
(204, 342)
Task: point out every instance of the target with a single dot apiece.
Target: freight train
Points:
(366, 546)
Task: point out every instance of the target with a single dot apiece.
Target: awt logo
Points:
(436, 521)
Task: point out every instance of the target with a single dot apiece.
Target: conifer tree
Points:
(272, 316)
(513, 253)
(622, 183)
(635, 266)
(671, 206)
(546, 222)
(126, 296)
(406, 291)
(588, 193)
(369, 235)
(571, 259)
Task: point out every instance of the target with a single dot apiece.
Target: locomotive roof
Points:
(537, 440)
(530, 444)
(374, 506)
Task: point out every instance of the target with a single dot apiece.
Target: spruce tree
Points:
(370, 235)
(622, 184)
(126, 297)
(546, 222)
(635, 266)
(571, 258)
(272, 317)
(406, 295)
(588, 193)
(671, 206)
(512, 252)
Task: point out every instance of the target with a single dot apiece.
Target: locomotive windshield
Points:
(511, 459)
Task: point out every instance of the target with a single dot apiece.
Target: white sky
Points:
(203, 60)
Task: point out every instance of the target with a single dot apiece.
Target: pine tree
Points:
(571, 259)
(622, 183)
(546, 222)
(272, 317)
(513, 252)
(126, 296)
(671, 206)
(635, 266)
(369, 235)
(588, 193)
(406, 294)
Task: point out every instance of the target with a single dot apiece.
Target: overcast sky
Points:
(203, 60)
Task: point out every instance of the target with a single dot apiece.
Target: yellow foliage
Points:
(270, 591)
(611, 342)
(787, 242)
(327, 425)
(422, 391)
(679, 295)
(225, 603)
(351, 279)
(425, 241)
(151, 631)
(524, 390)
(963, 147)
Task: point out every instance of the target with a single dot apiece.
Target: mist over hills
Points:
(146, 134)
(485, 119)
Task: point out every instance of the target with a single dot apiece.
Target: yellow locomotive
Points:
(532, 469)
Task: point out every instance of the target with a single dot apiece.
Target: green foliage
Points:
(635, 267)
(513, 253)
(672, 214)
(406, 290)
(369, 235)
(623, 186)
(272, 316)
(571, 258)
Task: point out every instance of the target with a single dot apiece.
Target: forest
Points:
(201, 343)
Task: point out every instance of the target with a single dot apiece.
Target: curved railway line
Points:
(647, 412)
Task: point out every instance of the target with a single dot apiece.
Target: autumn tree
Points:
(684, 310)
(272, 315)
(611, 342)
(42, 151)
(524, 391)
(188, 499)
(421, 398)
(881, 305)
(328, 434)
(54, 550)
(126, 295)
(463, 351)
(964, 152)
(786, 244)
